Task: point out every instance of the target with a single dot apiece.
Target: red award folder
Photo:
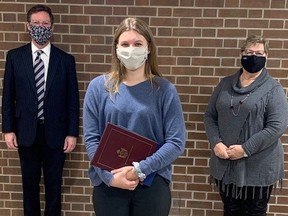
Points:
(119, 147)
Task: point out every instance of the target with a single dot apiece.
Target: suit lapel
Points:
(52, 69)
(28, 66)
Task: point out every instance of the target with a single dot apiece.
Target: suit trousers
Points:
(143, 201)
(34, 160)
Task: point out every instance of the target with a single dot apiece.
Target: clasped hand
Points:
(125, 178)
(233, 152)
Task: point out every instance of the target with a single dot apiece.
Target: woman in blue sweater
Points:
(135, 96)
(245, 118)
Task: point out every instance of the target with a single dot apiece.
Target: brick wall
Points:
(198, 43)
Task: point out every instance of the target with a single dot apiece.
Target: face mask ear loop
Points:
(147, 53)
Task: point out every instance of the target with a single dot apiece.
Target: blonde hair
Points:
(253, 40)
(118, 71)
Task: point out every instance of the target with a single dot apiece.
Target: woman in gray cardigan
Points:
(245, 118)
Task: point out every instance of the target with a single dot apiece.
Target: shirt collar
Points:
(46, 49)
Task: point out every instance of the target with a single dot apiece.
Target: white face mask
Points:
(132, 57)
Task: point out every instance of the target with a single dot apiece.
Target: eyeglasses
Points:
(38, 23)
(252, 52)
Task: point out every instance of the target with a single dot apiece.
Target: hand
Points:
(11, 140)
(131, 175)
(220, 151)
(69, 144)
(123, 178)
(235, 152)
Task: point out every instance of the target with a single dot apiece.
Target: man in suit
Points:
(40, 111)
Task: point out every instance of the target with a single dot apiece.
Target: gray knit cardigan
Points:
(257, 124)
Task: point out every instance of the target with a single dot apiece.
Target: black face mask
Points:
(253, 63)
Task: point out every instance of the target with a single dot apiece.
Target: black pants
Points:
(143, 201)
(32, 160)
(254, 204)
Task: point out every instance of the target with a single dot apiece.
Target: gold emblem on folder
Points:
(122, 153)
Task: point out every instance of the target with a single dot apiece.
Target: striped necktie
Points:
(40, 82)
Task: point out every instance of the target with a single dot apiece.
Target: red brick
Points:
(198, 43)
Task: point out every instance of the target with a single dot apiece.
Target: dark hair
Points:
(39, 8)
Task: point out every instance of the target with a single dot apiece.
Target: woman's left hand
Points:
(235, 152)
(120, 178)
(129, 172)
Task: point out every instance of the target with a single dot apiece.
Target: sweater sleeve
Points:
(174, 134)
(92, 131)
(211, 118)
(276, 114)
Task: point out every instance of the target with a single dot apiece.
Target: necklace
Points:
(239, 105)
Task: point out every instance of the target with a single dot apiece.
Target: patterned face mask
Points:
(40, 34)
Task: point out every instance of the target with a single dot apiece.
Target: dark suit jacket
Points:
(61, 100)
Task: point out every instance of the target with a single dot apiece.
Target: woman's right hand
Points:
(220, 151)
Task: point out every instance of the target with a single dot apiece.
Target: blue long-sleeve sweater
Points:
(155, 113)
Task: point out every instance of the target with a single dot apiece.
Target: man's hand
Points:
(11, 140)
(69, 144)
